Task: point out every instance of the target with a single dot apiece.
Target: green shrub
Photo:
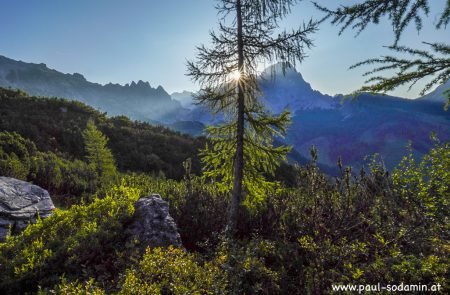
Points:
(427, 186)
(20, 159)
(247, 267)
(363, 229)
(173, 271)
(75, 288)
(82, 242)
(15, 155)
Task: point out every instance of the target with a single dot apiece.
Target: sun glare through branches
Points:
(235, 75)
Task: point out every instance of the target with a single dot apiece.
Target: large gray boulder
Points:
(20, 204)
(152, 224)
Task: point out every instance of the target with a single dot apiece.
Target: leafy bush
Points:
(366, 229)
(82, 242)
(63, 177)
(173, 271)
(427, 186)
(75, 288)
(20, 159)
(247, 265)
(15, 155)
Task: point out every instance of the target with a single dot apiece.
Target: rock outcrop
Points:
(152, 224)
(20, 204)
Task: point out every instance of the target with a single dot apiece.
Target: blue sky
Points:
(123, 40)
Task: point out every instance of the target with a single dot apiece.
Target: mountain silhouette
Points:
(138, 100)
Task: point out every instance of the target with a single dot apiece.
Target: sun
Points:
(235, 75)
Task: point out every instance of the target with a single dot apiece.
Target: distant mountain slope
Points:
(369, 125)
(289, 90)
(353, 128)
(136, 100)
(56, 125)
(194, 128)
(186, 98)
(347, 128)
(438, 94)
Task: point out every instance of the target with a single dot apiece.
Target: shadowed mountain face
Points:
(136, 100)
(350, 128)
(369, 125)
(289, 90)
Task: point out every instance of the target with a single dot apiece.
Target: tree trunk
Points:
(239, 156)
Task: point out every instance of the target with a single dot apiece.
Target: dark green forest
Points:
(55, 125)
(363, 226)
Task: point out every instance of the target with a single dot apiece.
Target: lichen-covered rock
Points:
(152, 224)
(20, 204)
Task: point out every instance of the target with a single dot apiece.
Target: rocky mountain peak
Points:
(79, 77)
(284, 88)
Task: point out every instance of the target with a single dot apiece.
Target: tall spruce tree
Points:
(432, 63)
(98, 155)
(242, 150)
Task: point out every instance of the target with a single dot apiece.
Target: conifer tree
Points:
(242, 149)
(432, 63)
(98, 155)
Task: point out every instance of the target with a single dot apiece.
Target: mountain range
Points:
(138, 101)
(344, 127)
(338, 126)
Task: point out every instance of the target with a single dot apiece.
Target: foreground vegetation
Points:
(366, 228)
(309, 232)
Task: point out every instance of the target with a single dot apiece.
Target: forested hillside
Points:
(56, 125)
(143, 102)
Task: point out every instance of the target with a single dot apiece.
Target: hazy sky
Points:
(123, 40)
